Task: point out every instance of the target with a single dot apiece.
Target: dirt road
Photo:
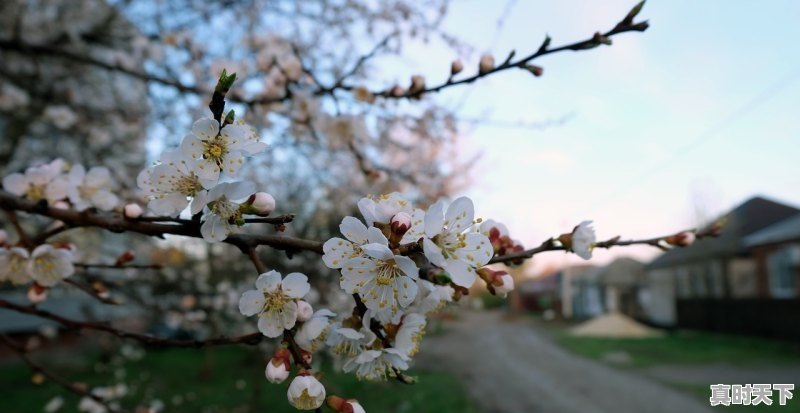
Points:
(509, 367)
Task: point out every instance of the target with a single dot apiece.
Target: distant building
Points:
(723, 284)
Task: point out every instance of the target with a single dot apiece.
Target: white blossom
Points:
(337, 251)
(447, 245)
(273, 301)
(384, 281)
(62, 116)
(382, 208)
(91, 189)
(49, 265)
(431, 297)
(170, 184)
(349, 342)
(39, 182)
(410, 334)
(14, 265)
(222, 209)
(583, 239)
(54, 404)
(312, 334)
(306, 393)
(219, 150)
(377, 365)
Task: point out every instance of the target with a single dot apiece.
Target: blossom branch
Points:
(553, 245)
(115, 222)
(626, 25)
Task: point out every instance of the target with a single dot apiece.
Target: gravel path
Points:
(509, 367)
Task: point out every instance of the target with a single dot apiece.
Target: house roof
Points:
(783, 231)
(749, 217)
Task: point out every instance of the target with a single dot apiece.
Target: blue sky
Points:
(701, 109)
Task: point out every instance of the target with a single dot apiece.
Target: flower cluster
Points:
(62, 185)
(46, 265)
(192, 176)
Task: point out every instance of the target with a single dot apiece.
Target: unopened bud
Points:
(307, 357)
(456, 67)
(397, 91)
(536, 70)
(340, 405)
(681, 239)
(277, 371)
(229, 118)
(37, 293)
(363, 94)
(401, 222)
(486, 64)
(60, 205)
(262, 203)
(506, 285)
(132, 211)
(304, 311)
(125, 258)
(417, 84)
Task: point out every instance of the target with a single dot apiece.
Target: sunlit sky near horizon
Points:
(701, 109)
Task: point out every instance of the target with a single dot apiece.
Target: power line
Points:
(749, 106)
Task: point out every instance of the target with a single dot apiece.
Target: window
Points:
(783, 266)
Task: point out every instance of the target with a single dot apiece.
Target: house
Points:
(616, 286)
(716, 284)
(776, 250)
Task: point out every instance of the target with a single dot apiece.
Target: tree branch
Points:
(250, 339)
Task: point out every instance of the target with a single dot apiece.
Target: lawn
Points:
(695, 349)
(219, 380)
(687, 348)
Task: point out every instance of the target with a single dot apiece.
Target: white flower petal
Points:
(378, 251)
(268, 281)
(407, 265)
(251, 302)
(354, 230)
(296, 285)
(460, 215)
(434, 220)
(433, 253)
(16, 183)
(205, 128)
(461, 273)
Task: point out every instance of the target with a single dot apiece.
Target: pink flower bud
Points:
(486, 64)
(506, 285)
(263, 203)
(37, 293)
(681, 239)
(60, 205)
(456, 67)
(417, 84)
(132, 211)
(401, 222)
(304, 311)
(125, 258)
(398, 91)
(276, 371)
(3, 236)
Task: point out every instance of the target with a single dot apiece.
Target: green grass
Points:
(694, 349)
(689, 348)
(221, 380)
